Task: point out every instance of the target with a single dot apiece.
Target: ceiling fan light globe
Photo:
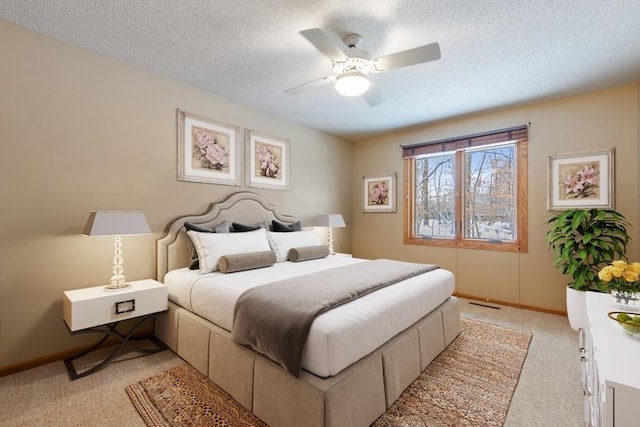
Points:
(352, 83)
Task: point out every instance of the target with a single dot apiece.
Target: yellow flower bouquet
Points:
(622, 280)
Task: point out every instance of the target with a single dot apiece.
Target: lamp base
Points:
(120, 287)
(330, 242)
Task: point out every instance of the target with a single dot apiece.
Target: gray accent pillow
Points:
(223, 227)
(281, 227)
(236, 227)
(246, 261)
(306, 253)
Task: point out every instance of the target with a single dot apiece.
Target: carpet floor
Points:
(471, 383)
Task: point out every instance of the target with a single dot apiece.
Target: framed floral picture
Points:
(379, 193)
(207, 150)
(581, 180)
(267, 161)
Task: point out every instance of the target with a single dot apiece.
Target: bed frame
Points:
(357, 396)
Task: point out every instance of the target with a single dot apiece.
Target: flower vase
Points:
(626, 299)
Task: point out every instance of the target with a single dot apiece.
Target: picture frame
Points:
(207, 150)
(267, 161)
(582, 179)
(379, 193)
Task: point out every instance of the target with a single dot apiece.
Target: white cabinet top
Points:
(99, 292)
(617, 354)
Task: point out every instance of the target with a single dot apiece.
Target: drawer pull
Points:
(125, 306)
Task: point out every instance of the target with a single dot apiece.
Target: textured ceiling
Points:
(495, 53)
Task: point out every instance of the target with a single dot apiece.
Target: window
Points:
(468, 191)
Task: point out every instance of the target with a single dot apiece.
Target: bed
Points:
(352, 370)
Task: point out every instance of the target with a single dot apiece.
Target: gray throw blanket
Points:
(274, 319)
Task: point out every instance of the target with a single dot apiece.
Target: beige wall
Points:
(79, 132)
(597, 120)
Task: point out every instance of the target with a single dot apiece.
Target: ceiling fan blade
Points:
(324, 44)
(373, 96)
(418, 55)
(309, 85)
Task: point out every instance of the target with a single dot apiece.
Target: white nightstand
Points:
(94, 310)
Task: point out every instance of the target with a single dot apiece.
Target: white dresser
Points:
(610, 368)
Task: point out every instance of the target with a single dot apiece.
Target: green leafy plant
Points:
(583, 240)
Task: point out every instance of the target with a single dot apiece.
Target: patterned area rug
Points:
(182, 396)
(470, 384)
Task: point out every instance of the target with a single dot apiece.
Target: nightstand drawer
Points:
(85, 308)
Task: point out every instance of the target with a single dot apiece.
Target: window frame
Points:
(458, 241)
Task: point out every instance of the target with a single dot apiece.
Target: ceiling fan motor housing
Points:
(355, 63)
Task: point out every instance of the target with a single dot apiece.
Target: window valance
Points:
(517, 133)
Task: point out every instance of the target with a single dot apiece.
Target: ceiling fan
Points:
(351, 66)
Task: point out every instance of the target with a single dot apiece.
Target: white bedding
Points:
(338, 337)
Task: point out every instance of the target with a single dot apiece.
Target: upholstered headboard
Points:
(243, 207)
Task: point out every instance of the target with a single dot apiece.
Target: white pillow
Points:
(211, 246)
(283, 242)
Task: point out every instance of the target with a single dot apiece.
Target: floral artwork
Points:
(267, 161)
(207, 150)
(210, 149)
(581, 180)
(379, 193)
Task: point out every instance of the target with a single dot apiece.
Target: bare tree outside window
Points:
(435, 196)
(490, 193)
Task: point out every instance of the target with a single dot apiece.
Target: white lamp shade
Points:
(330, 220)
(114, 223)
(352, 83)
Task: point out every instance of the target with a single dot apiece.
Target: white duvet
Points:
(338, 337)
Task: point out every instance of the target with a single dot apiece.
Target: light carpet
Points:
(469, 384)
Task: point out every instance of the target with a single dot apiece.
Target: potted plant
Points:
(583, 240)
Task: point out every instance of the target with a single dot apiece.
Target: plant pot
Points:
(577, 308)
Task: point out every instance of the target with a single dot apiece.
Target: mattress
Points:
(338, 337)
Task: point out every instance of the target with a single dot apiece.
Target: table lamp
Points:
(118, 224)
(330, 220)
